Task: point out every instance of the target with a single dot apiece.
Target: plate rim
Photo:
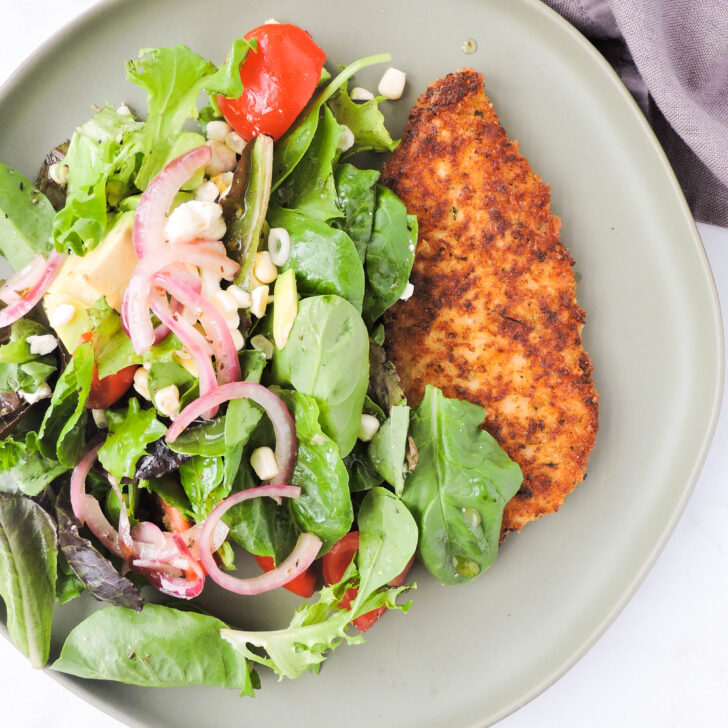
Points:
(56, 40)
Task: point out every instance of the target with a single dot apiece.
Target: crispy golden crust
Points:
(494, 317)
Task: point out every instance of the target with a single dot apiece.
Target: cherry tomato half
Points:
(172, 517)
(104, 392)
(278, 80)
(335, 563)
(304, 584)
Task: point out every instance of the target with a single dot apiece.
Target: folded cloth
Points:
(673, 57)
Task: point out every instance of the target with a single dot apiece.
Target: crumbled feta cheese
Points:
(42, 392)
(166, 400)
(223, 159)
(62, 315)
(241, 297)
(100, 419)
(58, 173)
(409, 289)
(217, 130)
(235, 142)
(207, 192)
(263, 267)
(360, 94)
(392, 84)
(141, 382)
(195, 220)
(238, 340)
(259, 301)
(279, 245)
(263, 461)
(264, 344)
(42, 345)
(346, 140)
(272, 21)
(368, 427)
(124, 110)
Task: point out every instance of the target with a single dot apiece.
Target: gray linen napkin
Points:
(673, 57)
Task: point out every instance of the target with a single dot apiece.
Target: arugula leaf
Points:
(324, 259)
(201, 478)
(388, 538)
(157, 647)
(291, 147)
(324, 506)
(173, 79)
(27, 574)
(101, 160)
(388, 446)
(327, 356)
(310, 189)
(365, 120)
(96, 573)
(26, 219)
(390, 254)
(61, 433)
(19, 369)
(357, 198)
(129, 434)
(459, 488)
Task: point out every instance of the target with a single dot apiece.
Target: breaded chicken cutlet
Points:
(494, 317)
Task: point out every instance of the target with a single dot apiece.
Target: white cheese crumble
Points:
(195, 220)
(42, 392)
(409, 289)
(346, 140)
(360, 94)
(42, 345)
(392, 84)
(62, 315)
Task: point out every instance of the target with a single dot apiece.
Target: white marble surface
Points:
(662, 662)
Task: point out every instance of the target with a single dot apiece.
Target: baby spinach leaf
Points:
(28, 549)
(365, 121)
(390, 254)
(459, 488)
(310, 188)
(327, 356)
(201, 478)
(324, 507)
(26, 219)
(157, 647)
(61, 433)
(388, 446)
(129, 434)
(362, 475)
(324, 259)
(357, 198)
(96, 573)
(291, 147)
(206, 438)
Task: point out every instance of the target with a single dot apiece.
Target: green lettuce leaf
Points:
(129, 434)
(62, 430)
(158, 647)
(459, 488)
(173, 79)
(19, 369)
(28, 549)
(24, 469)
(26, 219)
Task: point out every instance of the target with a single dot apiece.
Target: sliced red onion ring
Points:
(135, 302)
(87, 509)
(23, 280)
(226, 355)
(283, 424)
(20, 307)
(151, 212)
(302, 556)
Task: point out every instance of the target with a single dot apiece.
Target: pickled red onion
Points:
(302, 556)
(283, 424)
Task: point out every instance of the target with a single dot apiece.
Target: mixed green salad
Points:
(192, 368)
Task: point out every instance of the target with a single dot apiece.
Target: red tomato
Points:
(304, 584)
(104, 392)
(172, 517)
(335, 563)
(278, 80)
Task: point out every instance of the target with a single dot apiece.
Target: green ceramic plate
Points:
(465, 656)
